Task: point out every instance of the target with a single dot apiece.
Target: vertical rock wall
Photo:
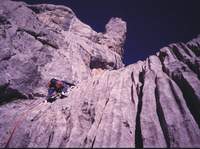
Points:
(152, 103)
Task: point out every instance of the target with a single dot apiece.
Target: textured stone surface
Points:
(39, 42)
(152, 103)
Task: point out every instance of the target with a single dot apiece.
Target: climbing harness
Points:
(62, 94)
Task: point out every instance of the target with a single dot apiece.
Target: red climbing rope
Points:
(17, 122)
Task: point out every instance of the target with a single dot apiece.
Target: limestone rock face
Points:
(152, 103)
(39, 42)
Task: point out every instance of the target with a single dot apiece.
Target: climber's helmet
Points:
(53, 81)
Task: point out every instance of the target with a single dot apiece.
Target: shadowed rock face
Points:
(152, 103)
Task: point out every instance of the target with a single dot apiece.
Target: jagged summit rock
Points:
(115, 35)
(152, 103)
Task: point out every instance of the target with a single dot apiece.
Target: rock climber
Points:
(57, 88)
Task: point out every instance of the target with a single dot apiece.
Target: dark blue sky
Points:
(152, 24)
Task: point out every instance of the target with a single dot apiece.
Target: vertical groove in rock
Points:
(176, 97)
(98, 125)
(190, 97)
(195, 49)
(69, 125)
(186, 49)
(196, 64)
(161, 116)
(50, 139)
(93, 142)
(186, 61)
(133, 82)
(138, 132)
(161, 57)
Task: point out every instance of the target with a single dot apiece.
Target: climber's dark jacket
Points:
(57, 86)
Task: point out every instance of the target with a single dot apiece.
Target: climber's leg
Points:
(51, 93)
